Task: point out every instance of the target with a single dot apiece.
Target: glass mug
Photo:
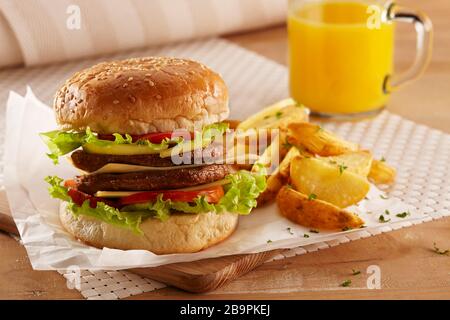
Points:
(341, 54)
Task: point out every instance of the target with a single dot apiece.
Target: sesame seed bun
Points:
(181, 233)
(138, 96)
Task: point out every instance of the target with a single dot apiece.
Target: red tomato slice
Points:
(212, 195)
(156, 137)
(70, 184)
(79, 198)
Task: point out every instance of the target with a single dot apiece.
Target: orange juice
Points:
(337, 63)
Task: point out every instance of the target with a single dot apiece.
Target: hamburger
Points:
(144, 134)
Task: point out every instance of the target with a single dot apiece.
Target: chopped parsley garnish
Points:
(266, 117)
(289, 186)
(403, 214)
(355, 272)
(289, 230)
(314, 231)
(269, 241)
(305, 235)
(346, 228)
(387, 212)
(439, 251)
(383, 197)
(382, 219)
(278, 114)
(366, 198)
(342, 168)
(346, 283)
(312, 196)
(383, 159)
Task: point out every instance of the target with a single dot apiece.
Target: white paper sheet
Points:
(50, 247)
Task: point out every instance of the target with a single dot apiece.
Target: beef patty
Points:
(152, 180)
(91, 162)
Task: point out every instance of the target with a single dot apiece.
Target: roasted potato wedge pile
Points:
(319, 173)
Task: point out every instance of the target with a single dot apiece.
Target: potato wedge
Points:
(329, 182)
(381, 172)
(358, 162)
(274, 183)
(269, 159)
(316, 214)
(285, 165)
(276, 116)
(278, 179)
(317, 140)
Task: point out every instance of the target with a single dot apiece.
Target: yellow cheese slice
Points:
(124, 168)
(119, 149)
(121, 194)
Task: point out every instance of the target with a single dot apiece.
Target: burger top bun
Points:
(144, 95)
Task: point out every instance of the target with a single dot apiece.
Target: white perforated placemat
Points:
(421, 154)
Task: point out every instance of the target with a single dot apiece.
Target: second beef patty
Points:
(152, 180)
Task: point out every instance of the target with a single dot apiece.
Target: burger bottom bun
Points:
(181, 233)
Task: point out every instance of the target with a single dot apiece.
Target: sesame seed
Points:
(130, 79)
(158, 97)
(116, 101)
(125, 85)
(132, 98)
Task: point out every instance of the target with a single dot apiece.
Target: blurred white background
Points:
(35, 32)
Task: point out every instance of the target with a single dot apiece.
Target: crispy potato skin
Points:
(315, 214)
(274, 183)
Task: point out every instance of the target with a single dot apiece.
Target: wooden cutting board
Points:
(197, 276)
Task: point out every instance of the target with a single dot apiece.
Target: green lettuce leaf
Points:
(103, 212)
(56, 190)
(61, 143)
(108, 214)
(240, 197)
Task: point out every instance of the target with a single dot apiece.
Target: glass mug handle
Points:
(424, 39)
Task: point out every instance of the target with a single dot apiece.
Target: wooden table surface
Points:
(409, 267)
